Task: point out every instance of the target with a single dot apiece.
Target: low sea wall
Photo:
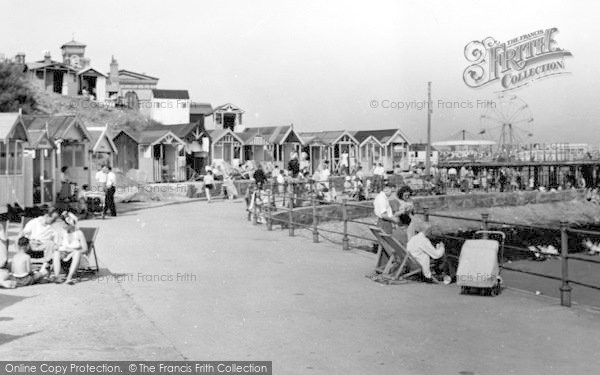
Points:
(459, 202)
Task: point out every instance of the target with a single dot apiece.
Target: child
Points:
(209, 183)
(82, 206)
(22, 274)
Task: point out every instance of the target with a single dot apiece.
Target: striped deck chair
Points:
(399, 263)
(90, 234)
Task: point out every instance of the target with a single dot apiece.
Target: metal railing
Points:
(280, 209)
(564, 255)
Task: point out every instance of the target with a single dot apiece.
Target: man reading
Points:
(41, 235)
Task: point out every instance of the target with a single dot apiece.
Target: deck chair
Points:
(399, 263)
(3, 244)
(385, 258)
(90, 234)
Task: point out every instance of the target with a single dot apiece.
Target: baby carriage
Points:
(95, 203)
(478, 270)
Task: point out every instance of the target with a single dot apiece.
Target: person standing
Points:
(101, 178)
(111, 180)
(259, 177)
(294, 165)
(209, 183)
(378, 173)
(383, 210)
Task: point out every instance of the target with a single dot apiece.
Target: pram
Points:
(95, 203)
(478, 270)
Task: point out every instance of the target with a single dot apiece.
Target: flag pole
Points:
(428, 149)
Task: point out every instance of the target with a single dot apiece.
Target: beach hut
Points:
(370, 150)
(40, 168)
(270, 143)
(103, 149)
(12, 181)
(226, 146)
(339, 147)
(127, 156)
(390, 146)
(72, 141)
(162, 155)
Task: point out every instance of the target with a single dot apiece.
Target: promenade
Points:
(197, 281)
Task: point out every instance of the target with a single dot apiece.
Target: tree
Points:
(15, 91)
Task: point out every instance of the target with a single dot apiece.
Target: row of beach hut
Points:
(35, 148)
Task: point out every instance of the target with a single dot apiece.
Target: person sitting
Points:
(72, 247)
(42, 235)
(421, 248)
(404, 212)
(22, 274)
(348, 186)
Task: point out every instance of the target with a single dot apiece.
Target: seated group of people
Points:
(396, 217)
(59, 246)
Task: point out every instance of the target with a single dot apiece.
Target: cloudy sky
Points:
(325, 65)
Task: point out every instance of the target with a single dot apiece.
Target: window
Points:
(3, 158)
(79, 155)
(19, 160)
(12, 157)
(39, 74)
(218, 151)
(218, 118)
(66, 155)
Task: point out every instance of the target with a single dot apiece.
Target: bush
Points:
(15, 91)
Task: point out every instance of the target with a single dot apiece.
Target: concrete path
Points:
(197, 281)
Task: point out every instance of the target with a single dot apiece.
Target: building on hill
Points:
(168, 107)
(74, 76)
(130, 89)
(227, 116)
(51, 76)
(199, 112)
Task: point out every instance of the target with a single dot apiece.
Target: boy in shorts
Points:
(22, 274)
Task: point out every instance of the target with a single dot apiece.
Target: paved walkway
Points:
(197, 281)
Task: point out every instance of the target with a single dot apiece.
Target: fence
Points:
(291, 215)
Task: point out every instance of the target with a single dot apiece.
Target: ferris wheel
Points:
(509, 122)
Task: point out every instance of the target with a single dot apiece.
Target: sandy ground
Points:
(198, 281)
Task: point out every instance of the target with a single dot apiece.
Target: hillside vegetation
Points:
(92, 113)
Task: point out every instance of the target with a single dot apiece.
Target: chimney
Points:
(47, 57)
(20, 58)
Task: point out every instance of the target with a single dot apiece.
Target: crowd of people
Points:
(54, 240)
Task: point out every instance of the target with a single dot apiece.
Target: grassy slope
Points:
(90, 112)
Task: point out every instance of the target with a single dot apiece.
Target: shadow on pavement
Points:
(6, 301)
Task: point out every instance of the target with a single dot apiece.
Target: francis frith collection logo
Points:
(514, 63)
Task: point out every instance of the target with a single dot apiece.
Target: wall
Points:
(12, 189)
(442, 203)
(170, 111)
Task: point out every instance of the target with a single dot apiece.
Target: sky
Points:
(330, 65)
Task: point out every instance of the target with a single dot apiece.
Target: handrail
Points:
(270, 209)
